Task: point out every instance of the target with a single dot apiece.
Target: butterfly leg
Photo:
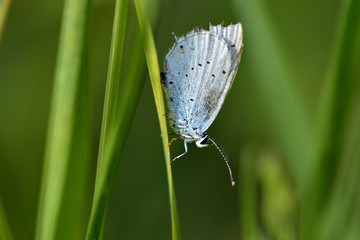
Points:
(173, 140)
(186, 150)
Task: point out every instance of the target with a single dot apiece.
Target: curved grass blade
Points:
(274, 79)
(154, 72)
(61, 207)
(113, 75)
(5, 232)
(111, 145)
(132, 82)
(4, 9)
(337, 218)
(337, 95)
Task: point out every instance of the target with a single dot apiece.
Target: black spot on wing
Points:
(163, 79)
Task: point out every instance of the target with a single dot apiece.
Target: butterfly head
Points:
(203, 141)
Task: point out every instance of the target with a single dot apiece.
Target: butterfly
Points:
(200, 69)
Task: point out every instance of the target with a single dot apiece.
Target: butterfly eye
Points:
(205, 140)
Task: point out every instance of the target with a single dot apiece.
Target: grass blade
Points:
(248, 194)
(275, 82)
(268, 200)
(154, 72)
(62, 191)
(337, 94)
(111, 145)
(340, 213)
(113, 76)
(4, 9)
(279, 199)
(5, 232)
(132, 82)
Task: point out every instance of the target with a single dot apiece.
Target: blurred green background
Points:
(271, 125)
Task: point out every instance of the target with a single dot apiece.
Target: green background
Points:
(267, 125)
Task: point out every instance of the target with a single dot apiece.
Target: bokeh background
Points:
(266, 126)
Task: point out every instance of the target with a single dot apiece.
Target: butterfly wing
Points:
(233, 36)
(200, 69)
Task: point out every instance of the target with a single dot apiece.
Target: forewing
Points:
(175, 80)
(233, 36)
(200, 69)
(219, 87)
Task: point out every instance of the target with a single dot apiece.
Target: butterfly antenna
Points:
(174, 36)
(226, 160)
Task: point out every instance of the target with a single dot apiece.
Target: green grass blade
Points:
(353, 232)
(5, 232)
(248, 195)
(4, 9)
(275, 82)
(132, 82)
(340, 213)
(154, 72)
(279, 199)
(113, 75)
(67, 144)
(338, 92)
(111, 145)
(268, 200)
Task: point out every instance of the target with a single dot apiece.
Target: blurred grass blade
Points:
(111, 145)
(113, 75)
(275, 83)
(5, 232)
(353, 231)
(339, 214)
(4, 9)
(154, 72)
(248, 195)
(337, 94)
(268, 200)
(279, 199)
(61, 206)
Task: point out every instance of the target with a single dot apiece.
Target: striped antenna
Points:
(226, 160)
